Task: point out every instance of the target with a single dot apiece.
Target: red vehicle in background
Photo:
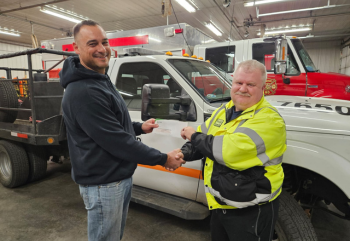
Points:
(293, 73)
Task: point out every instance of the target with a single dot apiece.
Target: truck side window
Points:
(222, 57)
(265, 54)
(132, 77)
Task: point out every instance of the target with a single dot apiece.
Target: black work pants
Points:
(254, 223)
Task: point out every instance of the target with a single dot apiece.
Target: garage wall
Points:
(17, 62)
(325, 55)
(345, 61)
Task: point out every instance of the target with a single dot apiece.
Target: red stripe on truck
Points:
(116, 42)
(67, 47)
(135, 40)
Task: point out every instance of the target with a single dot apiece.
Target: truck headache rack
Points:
(36, 51)
(40, 99)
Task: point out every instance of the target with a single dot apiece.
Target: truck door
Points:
(294, 80)
(129, 82)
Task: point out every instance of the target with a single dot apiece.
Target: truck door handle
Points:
(286, 81)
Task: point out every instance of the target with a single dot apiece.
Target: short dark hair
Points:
(78, 26)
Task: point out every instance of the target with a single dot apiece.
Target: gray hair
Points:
(251, 65)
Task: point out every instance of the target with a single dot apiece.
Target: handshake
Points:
(175, 157)
(174, 160)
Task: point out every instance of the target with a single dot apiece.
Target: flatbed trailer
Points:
(31, 125)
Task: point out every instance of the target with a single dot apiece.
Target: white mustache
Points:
(242, 94)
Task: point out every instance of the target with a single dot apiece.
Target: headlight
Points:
(347, 88)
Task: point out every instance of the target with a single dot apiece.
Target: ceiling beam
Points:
(32, 22)
(31, 6)
(316, 16)
(232, 23)
(16, 43)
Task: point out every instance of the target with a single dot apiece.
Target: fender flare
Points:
(321, 161)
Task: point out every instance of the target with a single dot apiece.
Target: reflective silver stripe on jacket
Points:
(204, 128)
(217, 149)
(258, 141)
(275, 111)
(260, 198)
(242, 122)
(274, 161)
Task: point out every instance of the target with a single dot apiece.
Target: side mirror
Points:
(156, 103)
(281, 46)
(280, 68)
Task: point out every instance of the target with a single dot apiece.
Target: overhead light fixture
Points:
(11, 32)
(191, 7)
(277, 31)
(301, 10)
(251, 4)
(213, 28)
(62, 13)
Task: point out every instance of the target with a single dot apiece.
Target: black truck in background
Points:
(31, 122)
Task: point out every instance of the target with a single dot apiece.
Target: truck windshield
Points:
(304, 56)
(204, 77)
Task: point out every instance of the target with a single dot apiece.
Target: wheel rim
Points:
(5, 165)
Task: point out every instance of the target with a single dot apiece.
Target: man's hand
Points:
(187, 132)
(175, 160)
(149, 125)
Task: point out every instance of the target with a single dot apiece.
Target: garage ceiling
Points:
(326, 24)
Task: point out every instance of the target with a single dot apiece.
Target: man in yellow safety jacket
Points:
(243, 142)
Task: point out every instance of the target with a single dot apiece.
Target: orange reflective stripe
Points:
(189, 172)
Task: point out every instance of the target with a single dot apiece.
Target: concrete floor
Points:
(52, 209)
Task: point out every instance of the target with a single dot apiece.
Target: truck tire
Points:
(293, 224)
(9, 99)
(37, 158)
(14, 167)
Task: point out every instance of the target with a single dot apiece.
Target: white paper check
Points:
(169, 127)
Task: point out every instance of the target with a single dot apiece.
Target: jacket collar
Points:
(246, 114)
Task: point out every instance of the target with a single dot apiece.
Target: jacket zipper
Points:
(256, 224)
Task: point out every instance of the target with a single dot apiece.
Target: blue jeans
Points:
(107, 207)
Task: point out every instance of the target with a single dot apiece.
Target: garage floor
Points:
(51, 209)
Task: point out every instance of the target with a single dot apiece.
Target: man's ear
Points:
(75, 47)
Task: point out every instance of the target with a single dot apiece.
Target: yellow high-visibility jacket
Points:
(243, 156)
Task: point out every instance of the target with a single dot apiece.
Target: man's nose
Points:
(101, 48)
(243, 88)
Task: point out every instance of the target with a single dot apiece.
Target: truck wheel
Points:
(8, 98)
(37, 162)
(14, 167)
(293, 223)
